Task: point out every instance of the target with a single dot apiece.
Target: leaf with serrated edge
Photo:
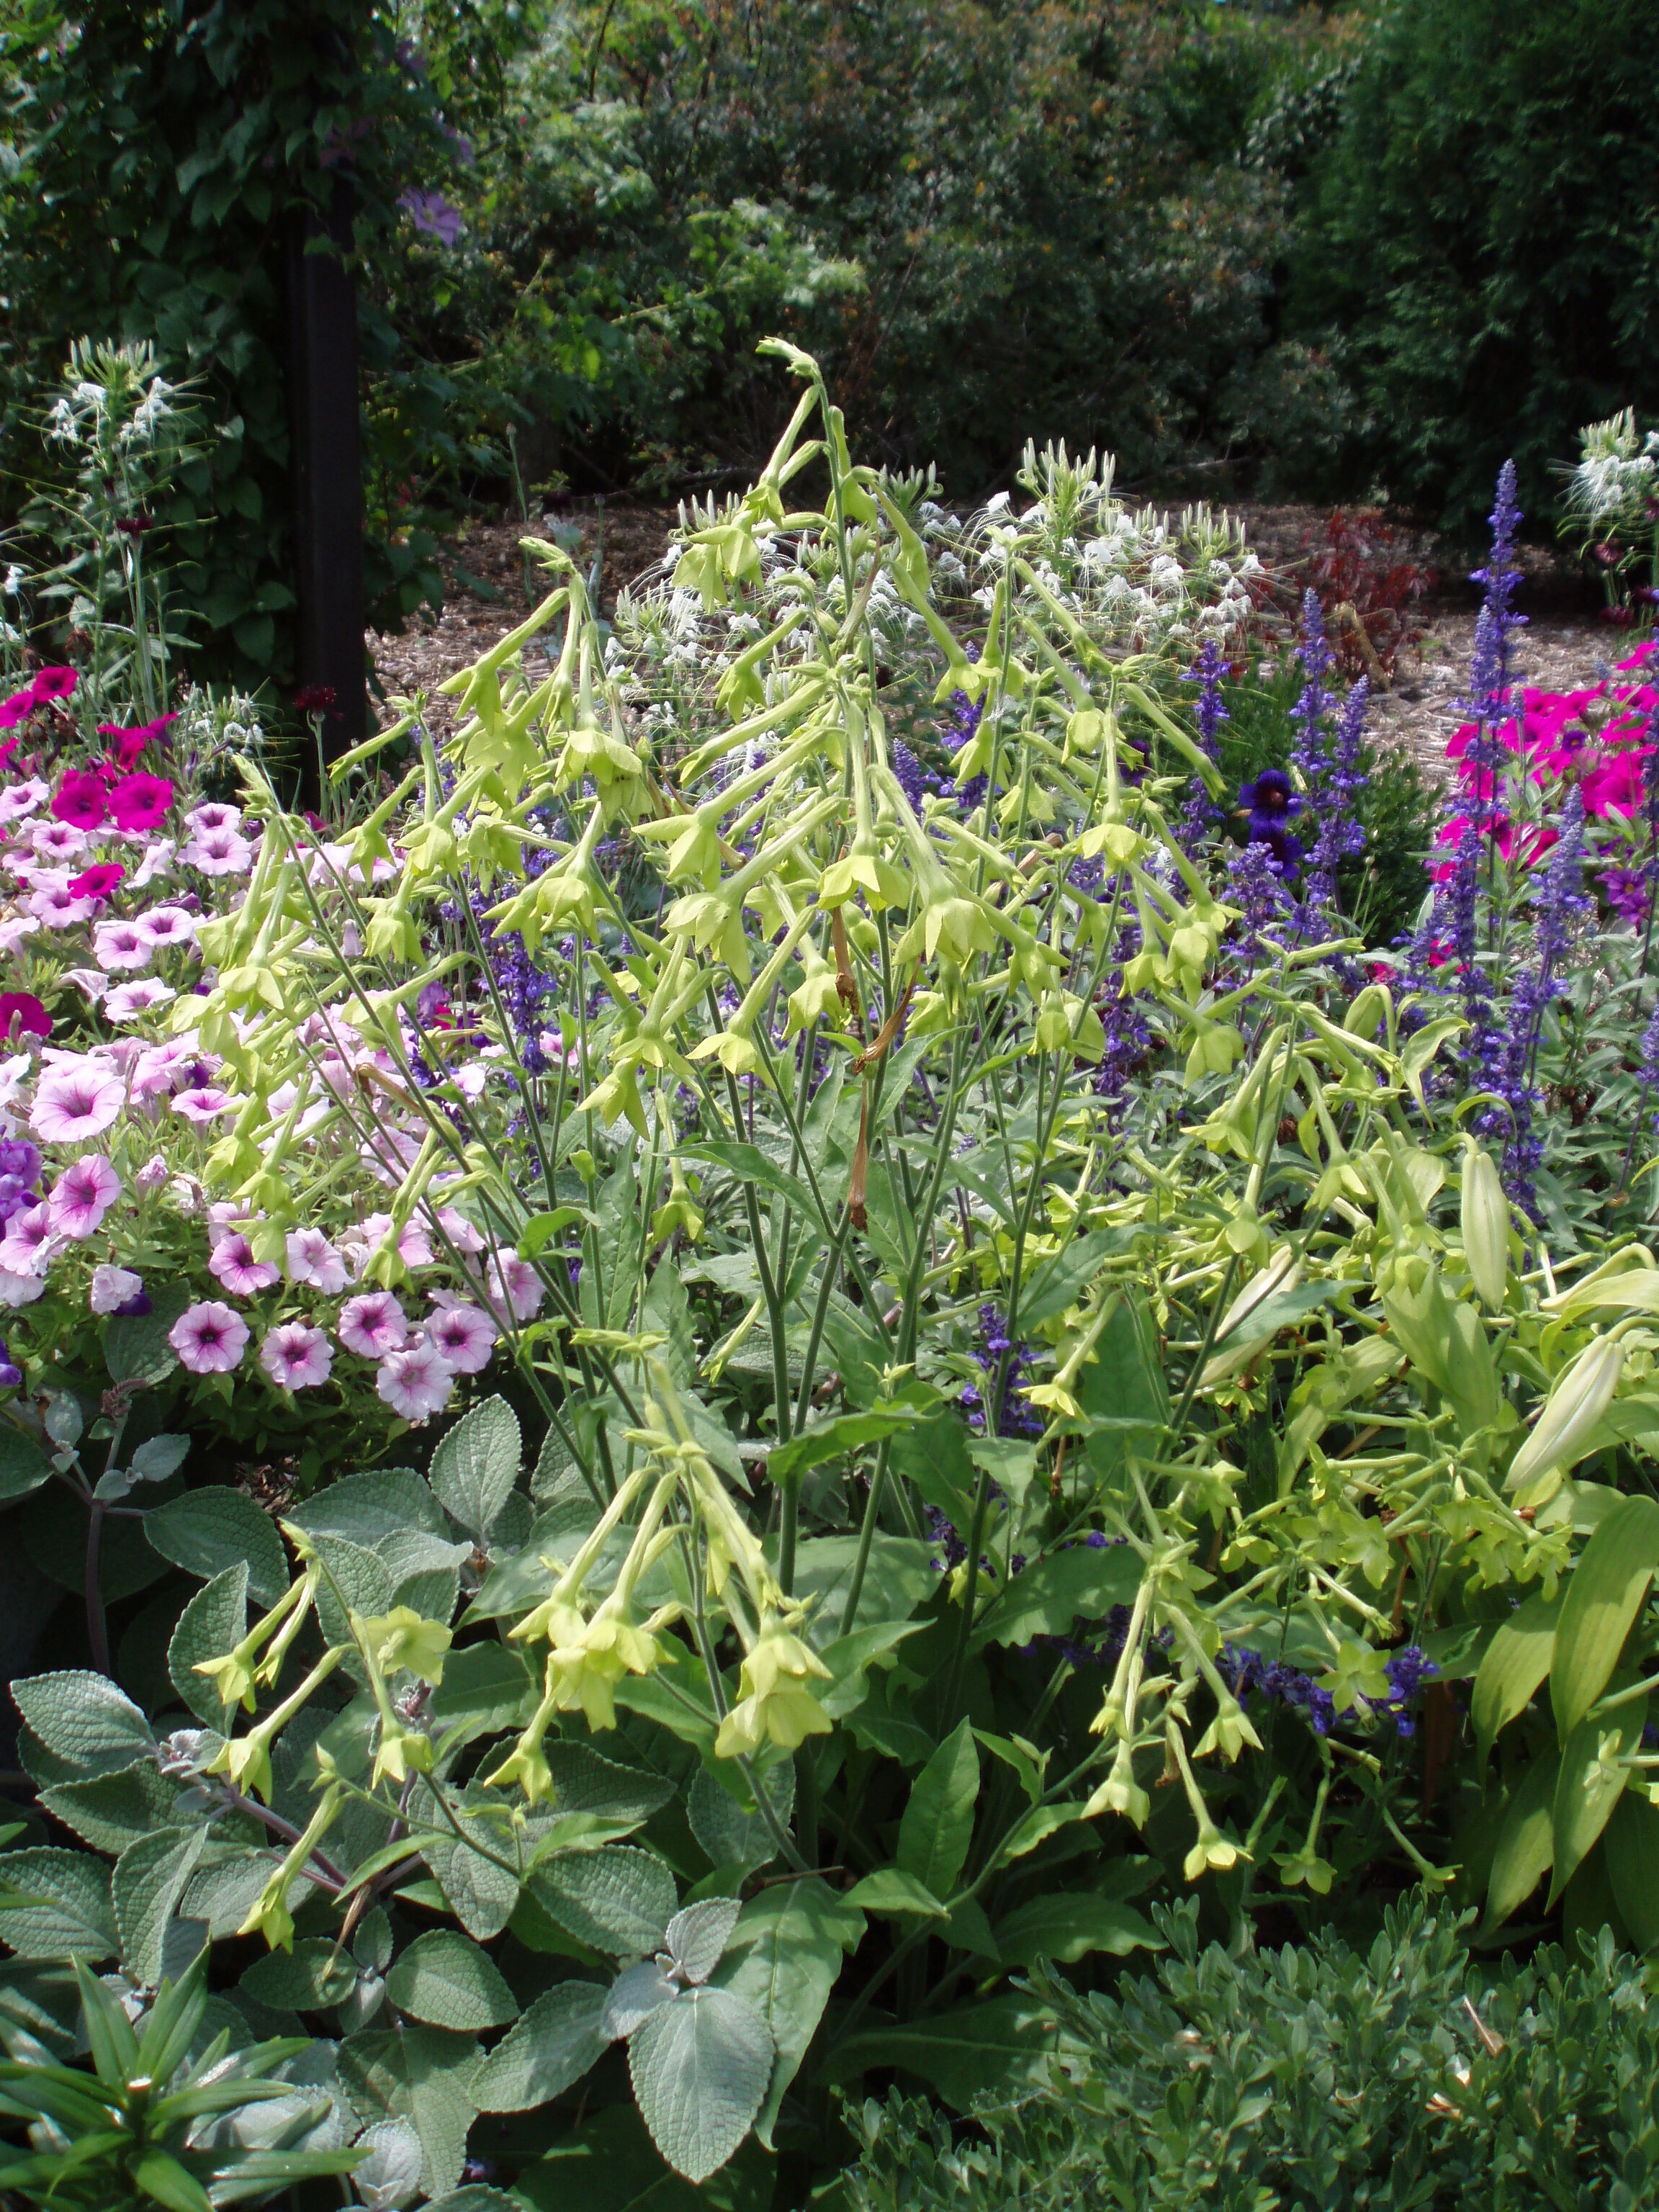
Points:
(549, 2050)
(446, 1980)
(207, 1530)
(476, 1466)
(785, 1955)
(212, 1623)
(700, 2067)
(634, 1996)
(148, 1881)
(618, 1900)
(62, 1907)
(84, 1719)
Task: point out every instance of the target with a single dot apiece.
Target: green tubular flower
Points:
(403, 1639)
(1121, 1792)
(268, 1916)
(246, 1758)
(235, 1674)
(775, 1705)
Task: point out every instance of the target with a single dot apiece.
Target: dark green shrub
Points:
(1478, 250)
(1410, 2075)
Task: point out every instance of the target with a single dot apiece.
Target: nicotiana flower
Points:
(232, 1263)
(76, 1100)
(374, 1325)
(82, 1196)
(311, 1258)
(208, 1338)
(120, 945)
(296, 1357)
(415, 1383)
(127, 1002)
(463, 1336)
(117, 1290)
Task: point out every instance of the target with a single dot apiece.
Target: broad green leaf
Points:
(314, 1974)
(110, 1811)
(352, 1577)
(56, 1905)
(938, 1825)
(891, 1890)
(584, 1781)
(23, 1466)
(481, 1893)
(1067, 1925)
(214, 1621)
(731, 1835)
(849, 1659)
(423, 2075)
(1526, 1842)
(747, 1163)
(618, 1900)
(997, 2048)
(222, 1889)
(1037, 1826)
(477, 1465)
(135, 1347)
(549, 2050)
(696, 1936)
(84, 1720)
(1060, 1282)
(1589, 1784)
(1045, 1598)
(1515, 1663)
(668, 1310)
(608, 2163)
(446, 1980)
(207, 1531)
(150, 1878)
(367, 1508)
(1633, 1853)
(700, 2067)
(784, 1955)
(484, 1686)
(158, 1457)
(1121, 1389)
(1603, 1598)
(932, 1458)
(835, 1439)
(899, 1575)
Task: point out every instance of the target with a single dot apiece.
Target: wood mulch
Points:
(1564, 647)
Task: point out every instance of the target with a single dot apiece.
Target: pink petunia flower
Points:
(121, 944)
(23, 798)
(98, 881)
(158, 857)
(415, 1383)
(128, 1001)
(214, 814)
(56, 841)
(17, 709)
(54, 682)
(80, 801)
(463, 1337)
(141, 802)
(76, 1100)
(208, 1338)
(204, 1104)
(153, 1176)
(160, 1068)
(114, 1288)
(231, 1262)
(20, 1290)
(296, 1357)
(53, 904)
(311, 1258)
(219, 853)
(460, 1231)
(82, 1196)
(166, 925)
(31, 1241)
(374, 1325)
(414, 1242)
(516, 1284)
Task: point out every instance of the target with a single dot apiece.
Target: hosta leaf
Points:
(1589, 1784)
(549, 2050)
(207, 1531)
(700, 2067)
(1526, 1842)
(476, 1464)
(446, 1980)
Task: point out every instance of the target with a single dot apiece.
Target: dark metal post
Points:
(327, 469)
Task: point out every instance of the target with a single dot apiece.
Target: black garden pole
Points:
(327, 469)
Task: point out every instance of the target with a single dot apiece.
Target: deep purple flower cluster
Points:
(1245, 1670)
(20, 1175)
(1329, 764)
(1128, 1039)
(1254, 886)
(1014, 1418)
(1272, 803)
(1491, 702)
(1200, 811)
(1561, 897)
(914, 780)
(11, 1375)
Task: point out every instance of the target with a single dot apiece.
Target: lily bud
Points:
(1486, 1223)
(1570, 1413)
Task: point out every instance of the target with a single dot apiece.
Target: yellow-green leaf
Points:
(1589, 1784)
(1517, 1660)
(1603, 1598)
(1526, 1843)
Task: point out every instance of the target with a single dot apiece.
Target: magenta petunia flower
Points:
(24, 1011)
(311, 1258)
(75, 1101)
(232, 1263)
(374, 1325)
(130, 743)
(415, 1383)
(296, 1357)
(141, 802)
(121, 944)
(208, 1338)
(17, 709)
(82, 1196)
(81, 799)
(463, 1337)
(98, 881)
(54, 684)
